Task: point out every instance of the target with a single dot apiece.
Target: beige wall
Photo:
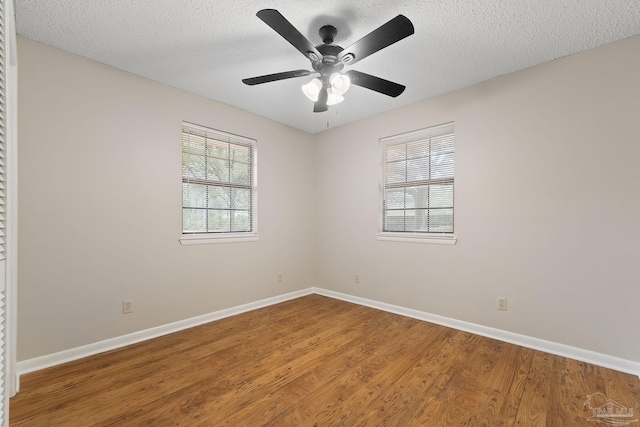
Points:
(100, 206)
(547, 205)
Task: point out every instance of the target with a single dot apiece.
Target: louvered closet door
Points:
(3, 215)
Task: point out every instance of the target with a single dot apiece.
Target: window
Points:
(417, 183)
(218, 183)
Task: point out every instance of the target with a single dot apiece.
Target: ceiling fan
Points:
(328, 59)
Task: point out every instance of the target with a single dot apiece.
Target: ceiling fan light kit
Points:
(328, 59)
(339, 85)
(312, 89)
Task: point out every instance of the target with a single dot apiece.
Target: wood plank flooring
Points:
(316, 361)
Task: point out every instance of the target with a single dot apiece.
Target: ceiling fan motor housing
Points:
(330, 63)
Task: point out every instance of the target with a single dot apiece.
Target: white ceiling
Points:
(208, 46)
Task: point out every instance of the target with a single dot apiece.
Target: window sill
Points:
(207, 239)
(417, 238)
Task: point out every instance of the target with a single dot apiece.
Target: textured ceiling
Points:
(208, 46)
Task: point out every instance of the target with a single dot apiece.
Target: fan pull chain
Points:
(337, 108)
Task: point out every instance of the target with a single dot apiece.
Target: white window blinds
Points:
(218, 182)
(417, 181)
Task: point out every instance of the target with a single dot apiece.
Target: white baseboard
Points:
(583, 355)
(588, 356)
(47, 361)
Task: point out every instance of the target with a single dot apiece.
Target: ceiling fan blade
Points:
(279, 23)
(385, 35)
(368, 81)
(321, 104)
(275, 77)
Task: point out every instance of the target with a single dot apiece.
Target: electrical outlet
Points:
(279, 277)
(502, 303)
(357, 278)
(127, 306)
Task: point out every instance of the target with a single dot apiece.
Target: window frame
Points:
(446, 238)
(208, 237)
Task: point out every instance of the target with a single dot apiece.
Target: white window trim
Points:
(404, 237)
(208, 239)
(190, 239)
(417, 238)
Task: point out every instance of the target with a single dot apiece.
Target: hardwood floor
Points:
(315, 361)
